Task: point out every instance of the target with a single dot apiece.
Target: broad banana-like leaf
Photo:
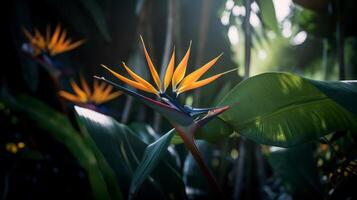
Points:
(284, 109)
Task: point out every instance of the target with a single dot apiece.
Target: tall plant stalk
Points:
(242, 144)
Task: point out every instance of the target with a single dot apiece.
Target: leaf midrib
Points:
(284, 108)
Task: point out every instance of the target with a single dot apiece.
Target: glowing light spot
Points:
(282, 9)
(254, 20)
(21, 145)
(286, 29)
(299, 38)
(276, 149)
(254, 6)
(238, 10)
(234, 154)
(262, 54)
(11, 147)
(233, 35)
(225, 18)
(229, 4)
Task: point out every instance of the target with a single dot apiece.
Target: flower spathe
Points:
(53, 44)
(179, 82)
(101, 93)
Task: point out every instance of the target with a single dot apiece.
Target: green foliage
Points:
(296, 167)
(151, 158)
(123, 150)
(60, 128)
(283, 109)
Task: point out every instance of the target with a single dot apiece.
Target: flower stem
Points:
(190, 143)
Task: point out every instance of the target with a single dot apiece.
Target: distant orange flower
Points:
(53, 45)
(180, 83)
(100, 94)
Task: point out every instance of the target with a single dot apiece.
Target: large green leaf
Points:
(284, 109)
(123, 150)
(151, 158)
(60, 128)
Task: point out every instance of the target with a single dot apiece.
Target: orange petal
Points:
(113, 95)
(169, 71)
(128, 81)
(140, 80)
(27, 34)
(152, 69)
(74, 45)
(181, 69)
(54, 38)
(194, 76)
(201, 83)
(70, 97)
(85, 85)
(81, 94)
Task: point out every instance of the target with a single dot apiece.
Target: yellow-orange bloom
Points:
(100, 94)
(53, 45)
(180, 83)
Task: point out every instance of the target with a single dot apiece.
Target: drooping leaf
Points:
(123, 150)
(283, 109)
(151, 158)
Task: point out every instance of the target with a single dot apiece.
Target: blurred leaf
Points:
(283, 109)
(123, 150)
(60, 128)
(268, 14)
(98, 16)
(151, 158)
(297, 168)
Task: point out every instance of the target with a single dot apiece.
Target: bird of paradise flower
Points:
(54, 44)
(42, 49)
(101, 93)
(185, 119)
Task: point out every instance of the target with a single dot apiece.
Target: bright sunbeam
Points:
(282, 9)
(233, 35)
